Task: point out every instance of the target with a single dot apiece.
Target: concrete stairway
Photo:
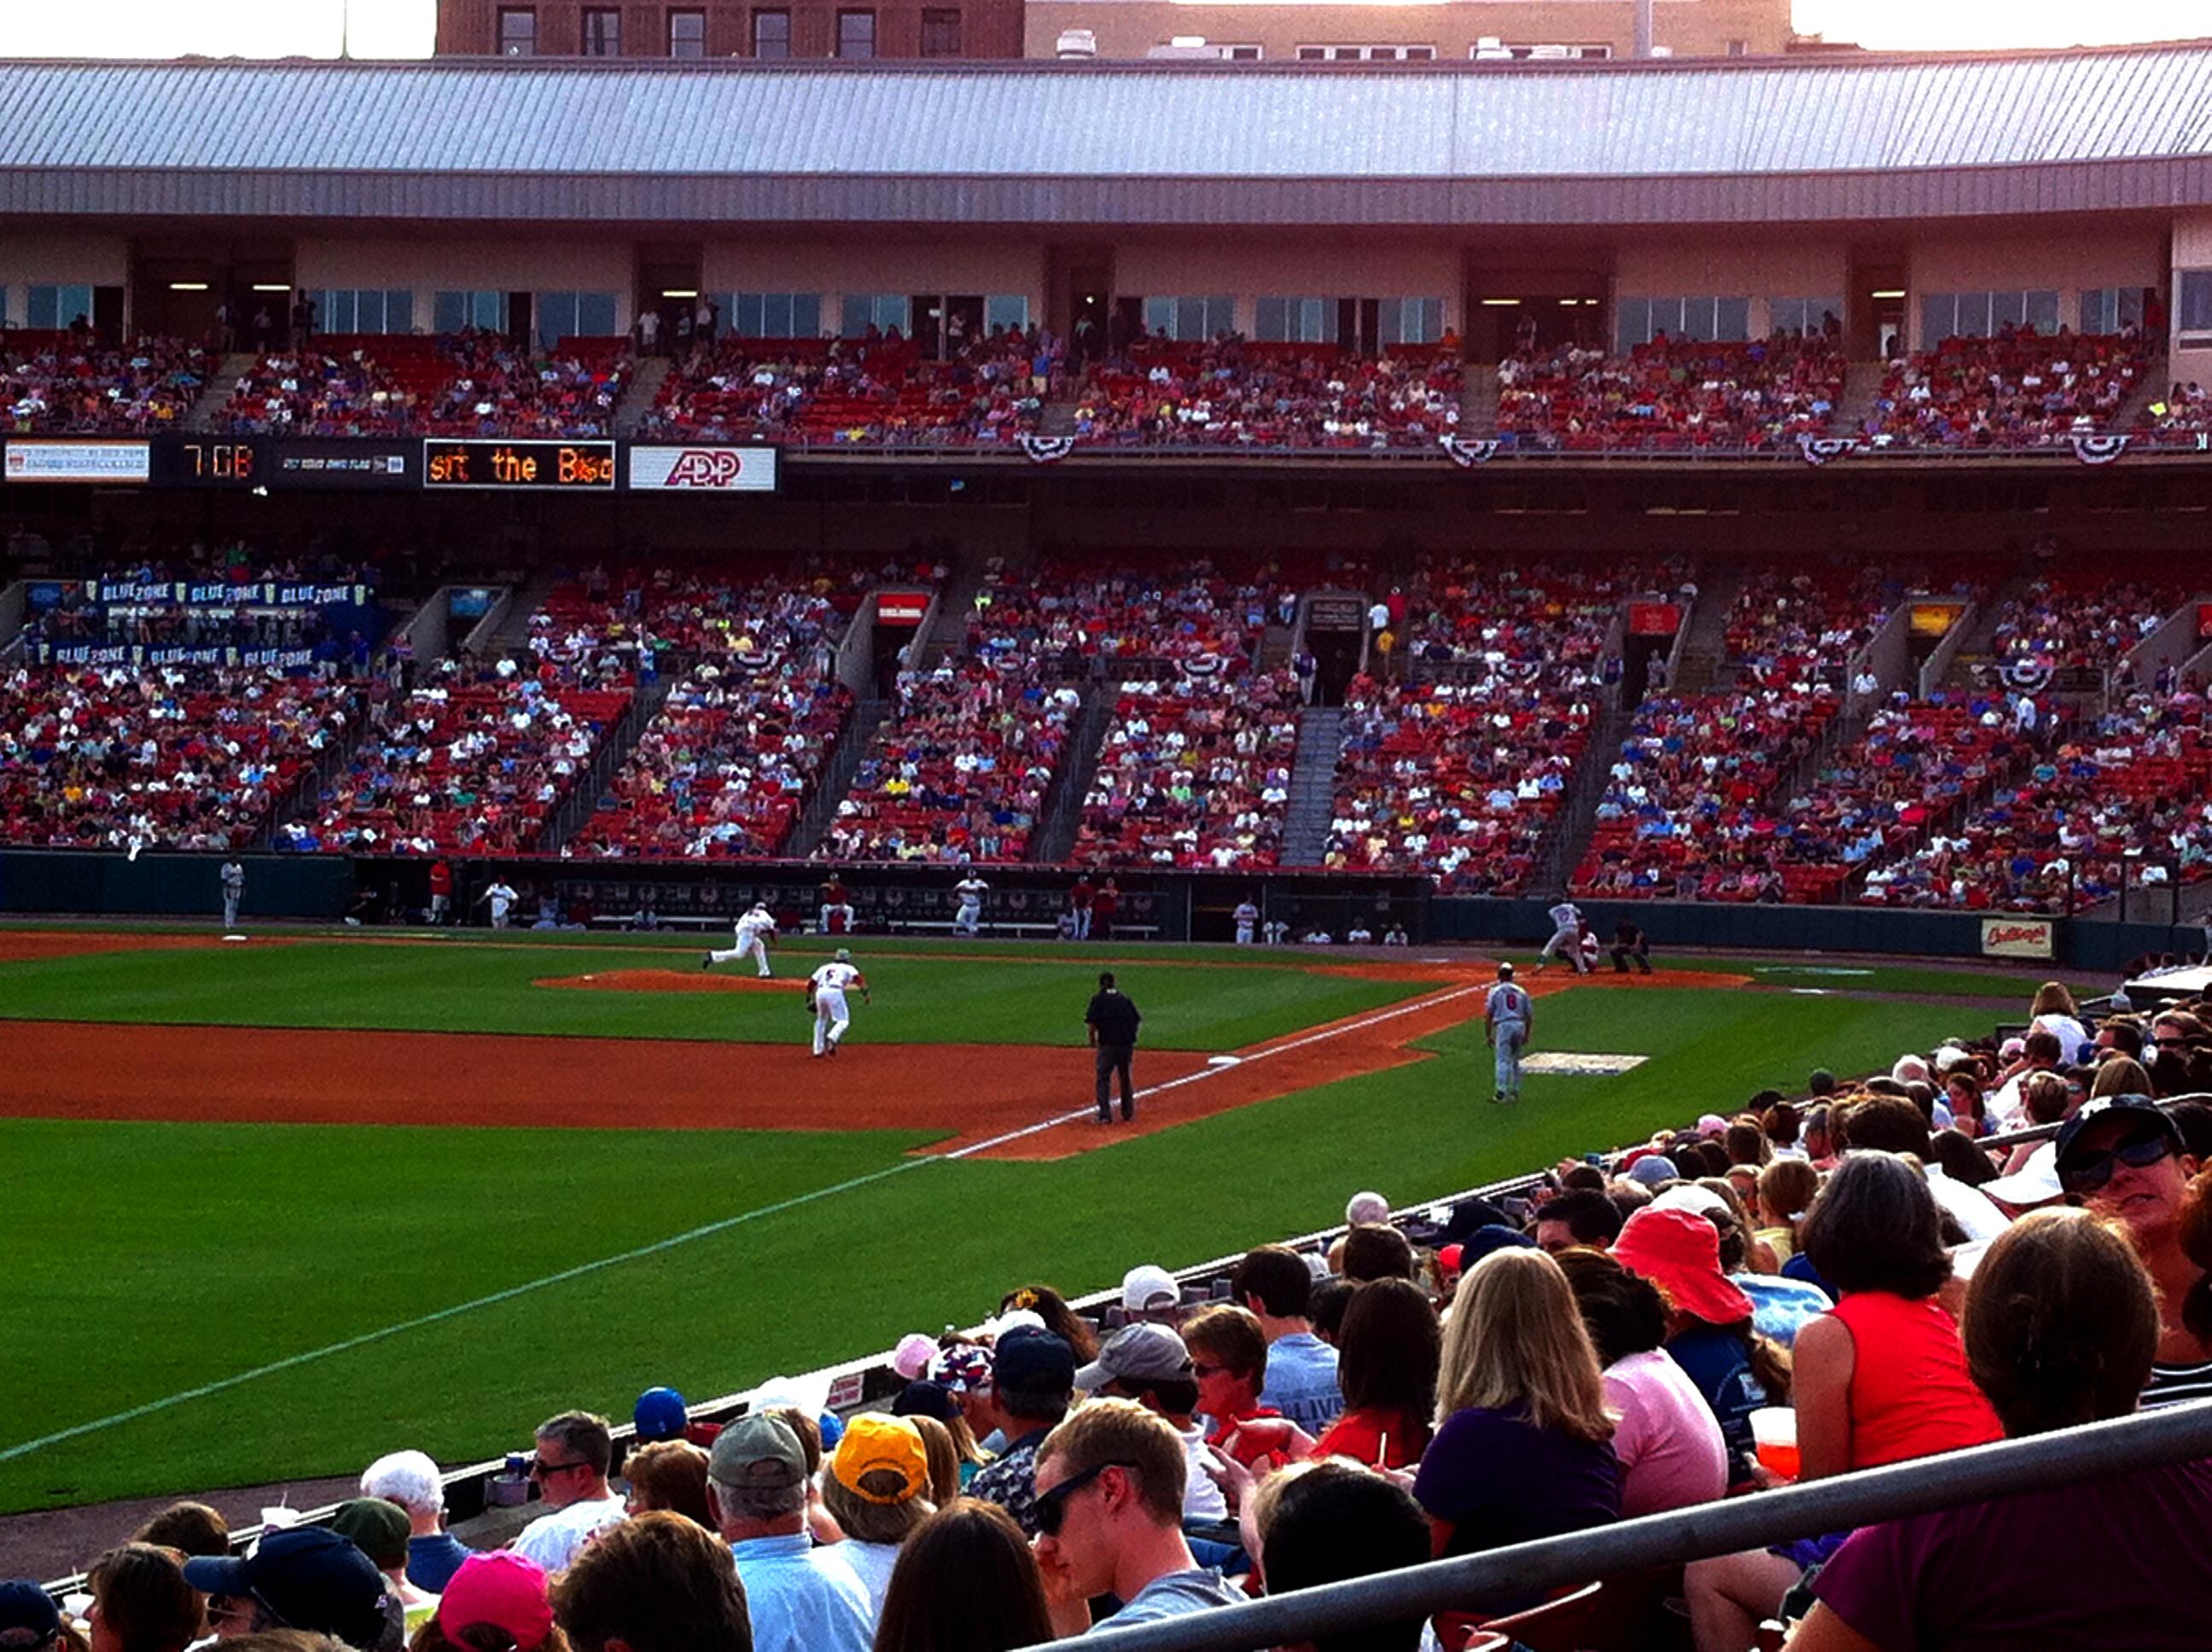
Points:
(1706, 648)
(1061, 817)
(2152, 387)
(837, 780)
(1560, 849)
(583, 799)
(948, 633)
(1478, 401)
(1981, 632)
(1313, 785)
(514, 633)
(641, 393)
(1862, 385)
(215, 395)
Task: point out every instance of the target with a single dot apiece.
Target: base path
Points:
(996, 1101)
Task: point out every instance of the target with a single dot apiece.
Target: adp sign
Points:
(705, 469)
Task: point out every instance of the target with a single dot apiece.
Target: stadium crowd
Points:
(1855, 1275)
(1232, 392)
(465, 384)
(69, 384)
(2018, 389)
(1670, 393)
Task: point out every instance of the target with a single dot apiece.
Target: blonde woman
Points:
(1523, 1446)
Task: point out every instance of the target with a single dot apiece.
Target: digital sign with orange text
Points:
(553, 466)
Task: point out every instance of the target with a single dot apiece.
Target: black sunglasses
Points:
(2086, 1175)
(1051, 1506)
(542, 1469)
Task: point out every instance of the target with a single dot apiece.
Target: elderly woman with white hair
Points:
(410, 1479)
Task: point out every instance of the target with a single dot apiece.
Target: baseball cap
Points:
(1148, 1286)
(1680, 1251)
(758, 1452)
(2036, 1182)
(1033, 1361)
(1712, 1124)
(875, 1445)
(1689, 1196)
(2012, 1046)
(1652, 1169)
(963, 1368)
(1137, 1353)
(504, 1590)
(916, 1349)
(29, 1616)
(2140, 1112)
(660, 1415)
(310, 1576)
(925, 1399)
(379, 1529)
(1493, 1236)
(831, 1427)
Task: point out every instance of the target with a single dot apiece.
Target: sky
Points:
(402, 28)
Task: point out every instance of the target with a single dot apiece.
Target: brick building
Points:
(778, 29)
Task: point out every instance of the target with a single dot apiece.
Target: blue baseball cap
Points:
(660, 1415)
(833, 1429)
(25, 1605)
(1029, 1361)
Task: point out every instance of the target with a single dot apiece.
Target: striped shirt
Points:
(2175, 1385)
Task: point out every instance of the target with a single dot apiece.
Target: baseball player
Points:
(825, 996)
(1589, 948)
(1508, 1015)
(234, 886)
(1567, 933)
(1247, 920)
(502, 900)
(1278, 932)
(969, 920)
(754, 928)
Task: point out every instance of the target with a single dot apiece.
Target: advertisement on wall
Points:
(706, 470)
(900, 607)
(537, 466)
(2018, 938)
(107, 462)
(335, 462)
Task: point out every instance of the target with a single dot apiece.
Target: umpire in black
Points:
(1113, 1022)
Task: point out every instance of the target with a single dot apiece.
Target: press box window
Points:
(856, 34)
(1705, 320)
(518, 32)
(772, 35)
(1808, 316)
(2110, 309)
(1190, 320)
(941, 32)
(55, 307)
(687, 34)
(772, 315)
(602, 33)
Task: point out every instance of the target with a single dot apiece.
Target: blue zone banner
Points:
(115, 653)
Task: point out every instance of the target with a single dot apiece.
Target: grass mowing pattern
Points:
(168, 1255)
(485, 989)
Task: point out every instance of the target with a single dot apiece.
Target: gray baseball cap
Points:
(757, 1453)
(1136, 1354)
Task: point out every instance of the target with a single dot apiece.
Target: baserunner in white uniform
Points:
(969, 920)
(825, 994)
(1248, 920)
(1567, 936)
(753, 931)
(1508, 1015)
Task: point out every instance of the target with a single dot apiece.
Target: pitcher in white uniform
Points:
(1508, 1014)
(970, 890)
(753, 931)
(826, 990)
(1567, 935)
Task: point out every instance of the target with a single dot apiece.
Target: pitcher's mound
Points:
(674, 981)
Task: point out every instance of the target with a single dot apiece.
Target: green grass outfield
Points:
(196, 1305)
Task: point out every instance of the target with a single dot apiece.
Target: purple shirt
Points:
(1500, 1480)
(2115, 1563)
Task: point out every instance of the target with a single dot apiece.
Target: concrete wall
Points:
(1759, 271)
(2120, 257)
(30, 258)
(1352, 267)
(875, 264)
(503, 263)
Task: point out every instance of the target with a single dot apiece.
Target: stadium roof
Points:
(474, 140)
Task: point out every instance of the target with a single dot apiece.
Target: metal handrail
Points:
(2039, 1462)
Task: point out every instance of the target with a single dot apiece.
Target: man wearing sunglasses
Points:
(1108, 1516)
(2122, 1156)
(570, 1472)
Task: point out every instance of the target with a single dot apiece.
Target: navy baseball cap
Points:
(925, 1399)
(1031, 1361)
(309, 1577)
(29, 1616)
(2140, 1111)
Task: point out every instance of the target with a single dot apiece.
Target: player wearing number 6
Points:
(825, 995)
(1509, 1014)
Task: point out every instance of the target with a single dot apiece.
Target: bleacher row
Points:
(1461, 743)
(2015, 390)
(1675, 1339)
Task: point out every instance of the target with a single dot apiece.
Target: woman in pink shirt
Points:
(1668, 1439)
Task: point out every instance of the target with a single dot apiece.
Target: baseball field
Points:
(281, 1205)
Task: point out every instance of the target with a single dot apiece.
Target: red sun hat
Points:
(502, 1589)
(1680, 1251)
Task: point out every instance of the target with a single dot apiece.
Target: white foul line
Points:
(24, 1449)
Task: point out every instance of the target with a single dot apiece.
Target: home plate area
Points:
(1580, 1065)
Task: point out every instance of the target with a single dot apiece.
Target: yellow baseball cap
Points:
(875, 1448)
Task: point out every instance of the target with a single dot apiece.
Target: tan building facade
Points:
(1452, 31)
(768, 30)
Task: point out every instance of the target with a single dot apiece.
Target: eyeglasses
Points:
(1051, 1506)
(2086, 1175)
(540, 1469)
(1199, 1369)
